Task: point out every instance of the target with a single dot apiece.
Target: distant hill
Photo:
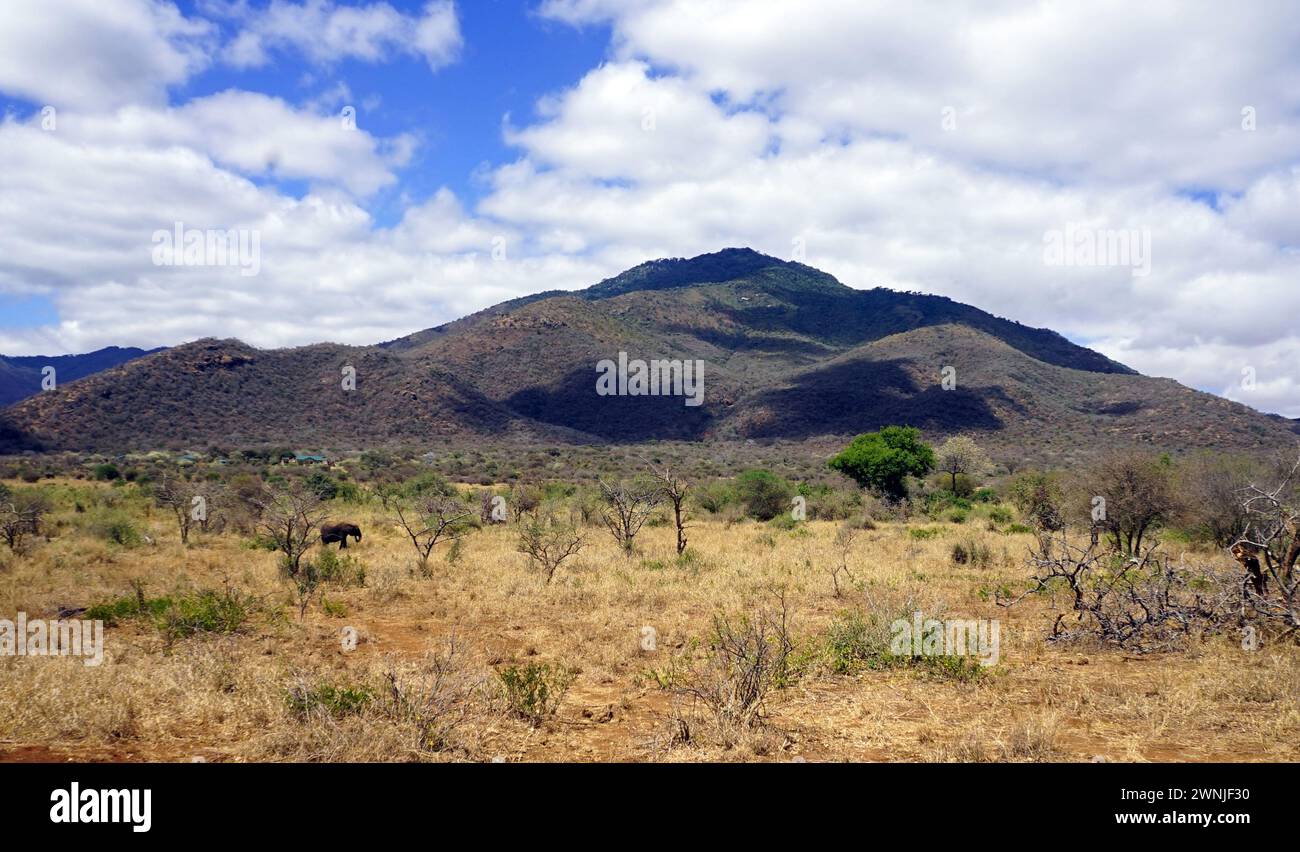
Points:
(20, 375)
(789, 353)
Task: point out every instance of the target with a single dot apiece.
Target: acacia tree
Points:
(674, 489)
(548, 542)
(1136, 497)
(627, 507)
(1038, 496)
(291, 517)
(432, 518)
(1211, 486)
(20, 516)
(882, 461)
(185, 500)
(960, 455)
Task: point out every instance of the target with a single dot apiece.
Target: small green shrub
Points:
(533, 691)
(331, 700)
(343, 571)
(105, 472)
(205, 612)
(115, 527)
(764, 494)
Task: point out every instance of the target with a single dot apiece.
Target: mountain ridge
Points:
(789, 353)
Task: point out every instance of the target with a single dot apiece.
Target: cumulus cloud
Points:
(253, 134)
(95, 55)
(326, 32)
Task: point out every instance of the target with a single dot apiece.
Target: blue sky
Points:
(505, 148)
(511, 57)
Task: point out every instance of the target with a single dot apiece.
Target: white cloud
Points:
(326, 32)
(91, 54)
(1104, 90)
(253, 134)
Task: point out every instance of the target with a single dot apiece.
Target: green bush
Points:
(533, 692)
(334, 701)
(179, 616)
(1000, 515)
(714, 497)
(763, 494)
(106, 471)
(127, 608)
(342, 571)
(205, 612)
(851, 643)
(115, 527)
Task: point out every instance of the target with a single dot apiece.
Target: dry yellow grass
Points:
(224, 697)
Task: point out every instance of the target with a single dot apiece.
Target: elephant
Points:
(330, 533)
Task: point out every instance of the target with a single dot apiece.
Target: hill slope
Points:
(20, 375)
(788, 352)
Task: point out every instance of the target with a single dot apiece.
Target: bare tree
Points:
(960, 455)
(291, 518)
(548, 542)
(675, 489)
(20, 516)
(1038, 496)
(1210, 488)
(431, 519)
(525, 500)
(845, 537)
(185, 500)
(627, 508)
(1136, 496)
(1268, 549)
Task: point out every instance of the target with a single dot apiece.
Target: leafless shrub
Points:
(290, 517)
(436, 697)
(1139, 496)
(627, 507)
(186, 502)
(845, 539)
(548, 542)
(728, 685)
(20, 516)
(431, 519)
(1143, 602)
(1211, 487)
(525, 500)
(1267, 550)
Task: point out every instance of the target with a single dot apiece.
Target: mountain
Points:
(788, 352)
(20, 375)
